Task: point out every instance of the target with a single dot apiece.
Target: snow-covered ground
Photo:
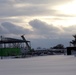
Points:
(42, 65)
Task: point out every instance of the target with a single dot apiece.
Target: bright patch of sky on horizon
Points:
(67, 9)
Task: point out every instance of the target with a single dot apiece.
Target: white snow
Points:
(42, 65)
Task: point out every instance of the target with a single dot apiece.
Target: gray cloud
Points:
(9, 28)
(6, 1)
(3, 30)
(43, 1)
(43, 29)
(34, 8)
(40, 29)
(52, 34)
(9, 10)
(69, 31)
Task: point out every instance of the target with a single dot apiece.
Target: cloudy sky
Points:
(45, 23)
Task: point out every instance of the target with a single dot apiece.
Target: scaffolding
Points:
(11, 46)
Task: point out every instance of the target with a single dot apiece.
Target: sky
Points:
(45, 23)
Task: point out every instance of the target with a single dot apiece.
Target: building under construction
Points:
(13, 47)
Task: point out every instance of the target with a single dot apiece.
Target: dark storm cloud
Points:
(40, 28)
(40, 25)
(9, 28)
(52, 34)
(43, 29)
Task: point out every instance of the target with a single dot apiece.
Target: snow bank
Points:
(42, 65)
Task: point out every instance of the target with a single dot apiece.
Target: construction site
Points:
(14, 47)
(22, 48)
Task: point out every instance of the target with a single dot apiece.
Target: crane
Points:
(29, 48)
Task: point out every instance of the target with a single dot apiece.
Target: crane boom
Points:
(26, 42)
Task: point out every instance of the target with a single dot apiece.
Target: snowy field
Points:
(42, 65)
